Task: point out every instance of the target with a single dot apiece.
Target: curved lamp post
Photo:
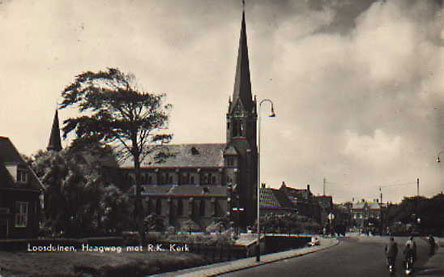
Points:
(437, 157)
(272, 114)
(438, 161)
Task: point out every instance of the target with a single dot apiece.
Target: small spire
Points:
(55, 143)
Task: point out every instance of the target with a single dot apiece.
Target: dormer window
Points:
(22, 175)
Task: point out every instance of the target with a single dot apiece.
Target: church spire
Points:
(242, 84)
(55, 143)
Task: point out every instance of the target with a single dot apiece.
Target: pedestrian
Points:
(391, 251)
(412, 247)
(432, 244)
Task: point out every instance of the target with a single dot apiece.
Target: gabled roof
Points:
(369, 205)
(8, 153)
(231, 151)
(187, 155)
(374, 206)
(10, 156)
(274, 199)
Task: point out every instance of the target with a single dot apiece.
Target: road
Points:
(355, 256)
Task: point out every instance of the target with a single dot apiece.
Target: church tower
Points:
(55, 143)
(241, 151)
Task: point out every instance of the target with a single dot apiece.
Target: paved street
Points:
(355, 256)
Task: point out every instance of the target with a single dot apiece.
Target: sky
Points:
(355, 84)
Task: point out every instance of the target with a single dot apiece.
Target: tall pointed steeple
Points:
(241, 150)
(55, 143)
(242, 84)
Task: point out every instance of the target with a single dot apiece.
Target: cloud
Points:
(377, 150)
(348, 78)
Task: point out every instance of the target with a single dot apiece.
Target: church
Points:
(203, 182)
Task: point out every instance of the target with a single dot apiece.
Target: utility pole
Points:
(323, 187)
(380, 190)
(417, 186)
(381, 230)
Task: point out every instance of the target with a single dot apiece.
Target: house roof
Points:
(186, 155)
(357, 206)
(374, 206)
(8, 153)
(370, 205)
(10, 156)
(274, 199)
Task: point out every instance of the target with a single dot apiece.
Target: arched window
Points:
(149, 206)
(179, 207)
(143, 178)
(202, 208)
(159, 206)
(216, 209)
(235, 131)
(241, 129)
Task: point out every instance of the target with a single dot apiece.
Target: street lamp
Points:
(437, 157)
(272, 114)
(330, 218)
(438, 161)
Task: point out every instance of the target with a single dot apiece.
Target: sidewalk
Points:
(226, 267)
(435, 265)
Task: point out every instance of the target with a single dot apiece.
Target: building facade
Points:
(366, 215)
(20, 192)
(204, 182)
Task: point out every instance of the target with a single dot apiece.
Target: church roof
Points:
(186, 155)
(242, 83)
(185, 190)
(54, 138)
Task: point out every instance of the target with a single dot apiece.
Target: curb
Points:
(232, 266)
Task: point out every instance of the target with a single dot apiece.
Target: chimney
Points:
(308, 187)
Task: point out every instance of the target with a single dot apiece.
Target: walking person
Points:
(432, 244)
(391, 251)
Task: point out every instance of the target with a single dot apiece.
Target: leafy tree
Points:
(288, 223)
(76, 196)
(428, 210)
(154, 222)
(116, 112)
(114, 209)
